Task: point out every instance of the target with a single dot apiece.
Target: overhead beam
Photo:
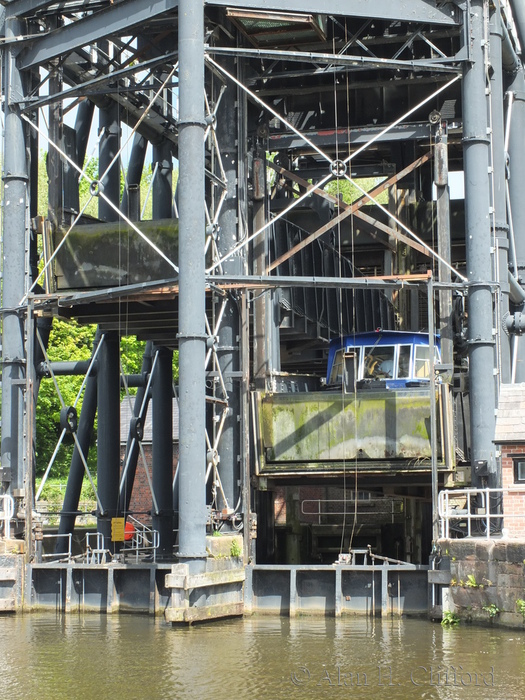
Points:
(112, 20)
(17, 8)
(123, 15)
(401, 10)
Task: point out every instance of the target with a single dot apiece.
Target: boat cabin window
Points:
(352, 359)
(336, 375)
(379, 362)
(403, 369)
(422, 361)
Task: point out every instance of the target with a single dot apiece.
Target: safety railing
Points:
(476, 512)
(63, 556)
(142, 540)
(7, 510)
(323, 508)
(96, 553)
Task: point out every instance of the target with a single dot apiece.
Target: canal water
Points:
(48, 657)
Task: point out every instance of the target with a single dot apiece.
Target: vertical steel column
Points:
(476, 147)
(83, 123)
(162, 444)
(192, 348)
(162, 185)
(75, 477)
(15, 177)
(55, 166)
(134, 174)
(108, 148)
(499, 198)
(444, 247)
(108, 432)
(228, 346)
(517, 200)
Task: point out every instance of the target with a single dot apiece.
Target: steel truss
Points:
(262, 123)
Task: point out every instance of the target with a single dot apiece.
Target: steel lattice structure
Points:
(268, 111)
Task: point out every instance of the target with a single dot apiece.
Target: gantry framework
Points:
(267, 112)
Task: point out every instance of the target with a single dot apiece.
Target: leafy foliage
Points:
(349, 193)
(450, 619)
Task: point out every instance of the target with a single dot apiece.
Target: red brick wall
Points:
(141, 502)
(514, 502)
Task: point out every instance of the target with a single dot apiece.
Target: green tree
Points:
(349, 193)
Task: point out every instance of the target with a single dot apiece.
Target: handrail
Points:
(144, 539)
(481, 514)
(7, 510)
(95, 554)
(63, 556)
(366, 506)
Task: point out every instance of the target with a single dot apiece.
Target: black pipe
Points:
(108, 434)
(162, 444)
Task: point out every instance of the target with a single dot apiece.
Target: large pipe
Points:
(162, 447)
(476, 149)
(83, 122)
(500, 228)
(192, 347)
(109, 145)
(518, 12)
(162, 185)
(515, 183)
(134, 174)
(108, 433)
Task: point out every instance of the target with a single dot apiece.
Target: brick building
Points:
(510, 440)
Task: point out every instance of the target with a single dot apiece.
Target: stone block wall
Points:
(486, 573)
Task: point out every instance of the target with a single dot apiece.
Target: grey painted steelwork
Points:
(15, 215)
(192, 338)
(476, 147)
(117, 18)
(499, 224)
(228, 340)
(350, 113)
(517, 173)
(364, 589)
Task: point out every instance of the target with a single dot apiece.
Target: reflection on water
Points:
(46, 657)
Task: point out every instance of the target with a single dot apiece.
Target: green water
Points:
(45, 657)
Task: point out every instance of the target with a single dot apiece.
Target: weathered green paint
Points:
(111, 254)
(320, 430)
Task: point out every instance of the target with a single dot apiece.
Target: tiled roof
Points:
(126, 412)
(510, 419)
